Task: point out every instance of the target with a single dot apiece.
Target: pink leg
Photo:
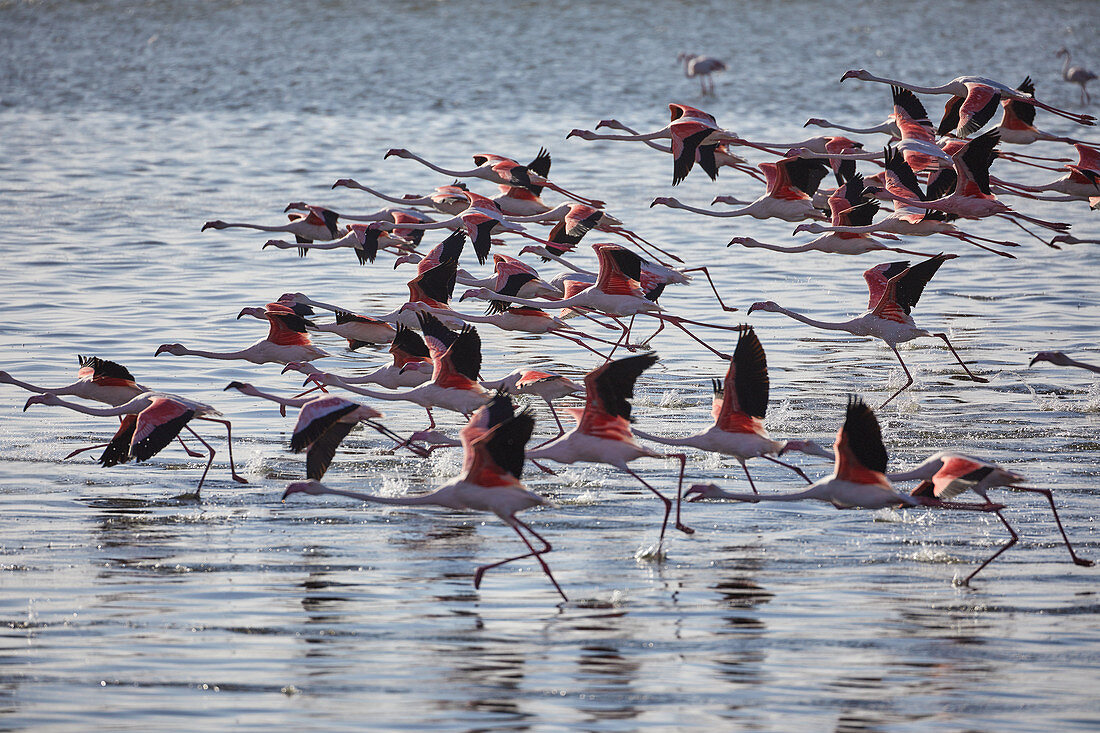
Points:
(970, 374)
(1015, 538)
(791, 466)
(78, 451)
(1050, 497)
(676, 321)
(682, 458)
(662, 497)
(229, 442)
(537, 554)
(712, 287)
(908, 377)
(745, 468)
(205, 471)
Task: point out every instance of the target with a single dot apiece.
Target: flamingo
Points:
(617, 292)
(946, 474)
(1017, 125)
(894, 288)
(1060, 359)
(886, 127)
(859, 474)
(603, 434)
(1076, 75)
(358, 330)
(444, 199)
(722, 154)
(848, 207)
(702, 67)
(286, 341)
(792, 183)
(547, 385)
(501, 170)
(322, 424)
(98, 380)
(456, 360)
(1081, 182)
(412, 365)
(150, 422)
(363, 239)
(318, 224)
(905, 219)
(965, 86)
(492, 442)
(739, 406)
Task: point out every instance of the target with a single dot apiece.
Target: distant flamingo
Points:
(965, 86)
(152, 420)
(493, 443)
(286, 341)
(740, 403)
(1060, 359)
(894, 288)
(547, 385)
(501, 170)
(702, 67)
(792, 183)
(603, 433)
(945, 475)
(1076, 75)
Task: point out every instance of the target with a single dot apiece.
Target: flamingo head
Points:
(239, 386)
(414, 307)
(816, 122)
(46, 398)
(613, 124)
(276, 243)
(396, 152)
(479, 293)
(405, 258)
(764, 305)
(254, 312)
(303, 367)
(663, 201)
(583, 134)
(173, 349)
(809, 447)
(6, 378)
(216, 224)
(296, 206)
(1063, 51)
(813, 228)
(1054, 357)
(698, 492)
(312, 487)
(862, 74)
(346, 182)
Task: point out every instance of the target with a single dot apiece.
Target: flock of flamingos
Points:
(930, 177)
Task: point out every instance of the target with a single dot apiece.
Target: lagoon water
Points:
(126, 125)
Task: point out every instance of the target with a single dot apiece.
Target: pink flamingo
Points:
(286, 341)
(1060, 359)
(492, 442)
(894, 289)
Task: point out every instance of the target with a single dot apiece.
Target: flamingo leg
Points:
(662, 497)
(1050, 498)
(715, 289)
(78, 451)
(745, 468)
(228, 442)
(537, 554)
(908, 377)
(205, 471)
(682, 458)
(1015, 538)
(660, 327)
(970, 374)
(579, 342)
(676, 321)
(791, 466)
(970, 239)
(188, 451)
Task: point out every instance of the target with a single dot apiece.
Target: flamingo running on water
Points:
(411, 366)
(894, 288)
(603, 434)
(493, 442)
(946, 474)
(150, 422)
(740, 403)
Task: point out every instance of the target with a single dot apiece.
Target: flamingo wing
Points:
(609, 388)
(157, 425)
(860, 453)
(285, 327)
(118, 450)
(436, 284)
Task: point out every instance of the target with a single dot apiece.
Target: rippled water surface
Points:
(127, 125)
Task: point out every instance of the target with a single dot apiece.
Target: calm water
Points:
(126, 125)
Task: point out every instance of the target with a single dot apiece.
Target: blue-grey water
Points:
(126, 125)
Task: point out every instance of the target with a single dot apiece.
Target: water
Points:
(126, 125)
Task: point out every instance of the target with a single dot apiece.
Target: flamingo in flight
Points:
(603, 433)
(493, 442)
(1081, 182)
(617, 292)
(547, 385)
(456, 360)
(98, 380)
(740, 404)
(287, 340)
(150, 422)
(849, 206)
(411, 366)
(363, 239)
(945, 475)
(965, 86)
(859, 474)
(894, 289)
(444, 199)
(500, 170)
(1017, 125)
(322, 425)
(792, 182)
(1076, 74)
(1060, 359)
(701, 67)
(317, 224)
(901, 182)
